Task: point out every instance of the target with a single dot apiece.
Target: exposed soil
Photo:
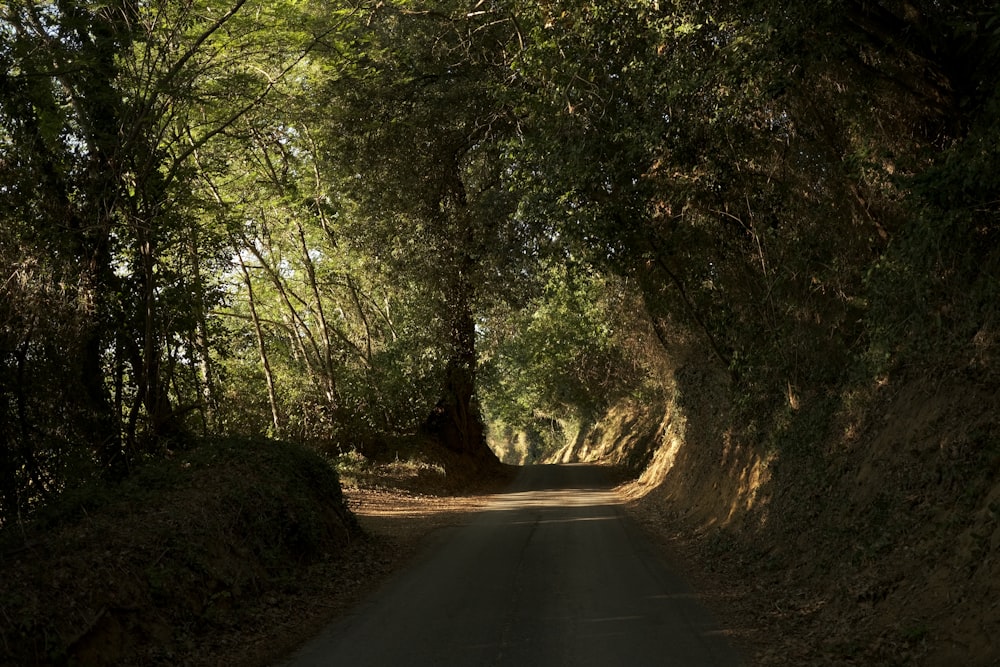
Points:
(867, 534)
(887, 554)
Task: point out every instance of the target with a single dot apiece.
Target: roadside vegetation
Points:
(748, 251)
(151, 570)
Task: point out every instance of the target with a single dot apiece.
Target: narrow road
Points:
(550, 573)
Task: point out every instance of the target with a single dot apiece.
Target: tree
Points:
(419, 133)
(745, 163)
(564, 358)
(104, 106)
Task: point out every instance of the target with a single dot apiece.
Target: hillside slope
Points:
(856, 528)
(152, 571)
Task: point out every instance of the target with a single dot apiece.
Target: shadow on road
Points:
(549, 573)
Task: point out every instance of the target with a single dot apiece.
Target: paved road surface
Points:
(549, 574)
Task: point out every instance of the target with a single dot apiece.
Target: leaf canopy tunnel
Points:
(344, 222)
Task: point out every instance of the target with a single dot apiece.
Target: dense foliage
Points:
(314, 219)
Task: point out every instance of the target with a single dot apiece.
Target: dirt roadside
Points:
(397, 523)
(748, 614)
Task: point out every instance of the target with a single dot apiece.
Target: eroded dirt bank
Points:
(861, 528)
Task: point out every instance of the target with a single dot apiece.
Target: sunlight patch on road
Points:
(556, 499)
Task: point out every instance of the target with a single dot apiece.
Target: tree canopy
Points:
(339, 221)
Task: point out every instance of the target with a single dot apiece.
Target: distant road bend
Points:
(550, 573)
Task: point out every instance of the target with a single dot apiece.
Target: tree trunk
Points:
(456, 421)
(8, 463)
(329, 371)
(200, 339)
(272, 396)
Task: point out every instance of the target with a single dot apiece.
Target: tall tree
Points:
(103, 106)
(749, 164)
(419, 132)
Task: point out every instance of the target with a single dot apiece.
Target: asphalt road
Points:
(551, 573)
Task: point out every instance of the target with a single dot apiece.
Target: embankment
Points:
(862, 526)
(151, 570)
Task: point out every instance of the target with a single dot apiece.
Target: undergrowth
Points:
(134, 572)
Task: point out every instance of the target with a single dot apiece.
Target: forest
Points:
(352, 225)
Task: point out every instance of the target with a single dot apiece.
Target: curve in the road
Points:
(551, 573)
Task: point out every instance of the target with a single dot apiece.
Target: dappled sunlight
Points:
(395, 511)
(572, 498)
(739, 491)
(368, 503)
(753, 478)
(588, 493)
(672, 437)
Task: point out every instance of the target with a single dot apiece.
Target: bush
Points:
(114, 574)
